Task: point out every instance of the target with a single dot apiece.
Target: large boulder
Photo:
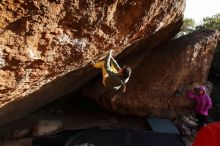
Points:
(44, 45)
(159, 83)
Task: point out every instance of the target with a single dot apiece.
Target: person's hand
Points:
(92, 63)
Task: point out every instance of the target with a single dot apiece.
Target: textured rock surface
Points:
(158, 84)
(40, 41)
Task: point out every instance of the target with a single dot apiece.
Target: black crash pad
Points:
(124, 137)
(110, 137)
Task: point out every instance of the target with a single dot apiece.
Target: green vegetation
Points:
(189, 24)
(210, 23)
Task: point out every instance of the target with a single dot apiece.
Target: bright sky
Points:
(197, 9)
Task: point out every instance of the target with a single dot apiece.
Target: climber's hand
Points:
(92, 63)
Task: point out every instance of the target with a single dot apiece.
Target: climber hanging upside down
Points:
(114, 77)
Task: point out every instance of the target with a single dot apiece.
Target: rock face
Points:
(158, 84)
(41, 41)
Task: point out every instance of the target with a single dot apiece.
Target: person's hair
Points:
(126, 72)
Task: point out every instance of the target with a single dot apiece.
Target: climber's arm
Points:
(107, 64)
(115, 64)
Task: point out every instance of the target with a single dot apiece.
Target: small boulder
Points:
(21, 133)
(44, 127)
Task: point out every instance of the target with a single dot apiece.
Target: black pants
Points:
(202, 120)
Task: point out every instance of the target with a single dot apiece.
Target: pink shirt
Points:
(203, 103)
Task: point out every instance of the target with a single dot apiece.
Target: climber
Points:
(114, 77)
(202, 105)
